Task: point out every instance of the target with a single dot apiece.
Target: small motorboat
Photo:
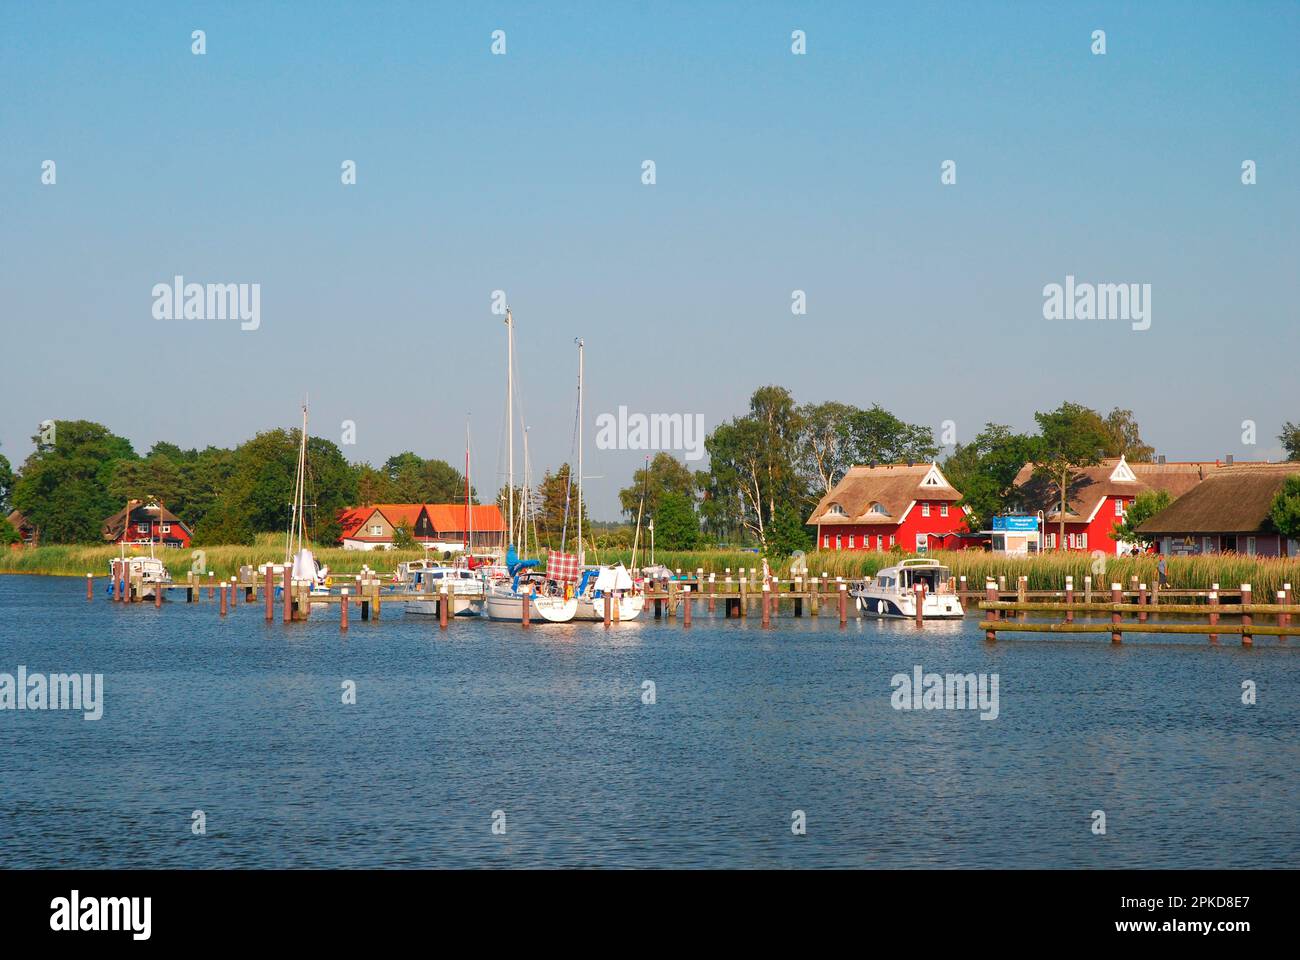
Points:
(150, 572)
(893, 592)
(425, 577)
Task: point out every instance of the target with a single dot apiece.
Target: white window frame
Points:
(826, 541)
(850, 541)
(1250, 546)
(166, 528)
(943, 509)
(1083, 540)
(925, 509)
(839, 541)
(376, 530)
(1119, 507)
(142, 527)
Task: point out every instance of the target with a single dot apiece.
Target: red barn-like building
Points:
(435, 526)
(879, 507)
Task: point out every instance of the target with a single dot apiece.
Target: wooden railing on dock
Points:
(1146, 606)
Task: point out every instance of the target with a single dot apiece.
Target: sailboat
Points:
(600, 581)
(504, 597)
(299, 559)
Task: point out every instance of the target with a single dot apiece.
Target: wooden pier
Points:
(747, 594)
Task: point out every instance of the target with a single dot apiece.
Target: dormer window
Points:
(836, 511)
(878, 508)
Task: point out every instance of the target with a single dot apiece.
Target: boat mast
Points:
(469, 513)
(295, 517)
(510, 421)
(581, 345)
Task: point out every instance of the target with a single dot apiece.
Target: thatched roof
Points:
(895, 487)
(1233, 500)
(1089, 485)
(140, 513)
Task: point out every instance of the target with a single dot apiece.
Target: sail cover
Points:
(614, 578)
(562, 567)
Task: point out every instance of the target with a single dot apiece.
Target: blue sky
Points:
(522, 172)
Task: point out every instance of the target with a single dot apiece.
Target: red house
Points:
(1097, 498)
(147, 523)
(880, 507)
(435, 526)
(28, 534)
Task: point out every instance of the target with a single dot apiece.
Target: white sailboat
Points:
(595, 584)
(504, 598)
(299, 559)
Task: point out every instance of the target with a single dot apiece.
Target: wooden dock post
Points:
(713, 589)
(743, 611)
(686, 606)
(526, 610)
(268, 592)
(444, 602)
(844, 604)
(1214, 617)
(212, 585)
(343, 610)
(1116, 596)
(798, 596)
(157, 595)
(918, 592)
(1087, 588)
(1283, 619)
(767, 605)
(286, 587)
(608, 600)
(991, 596)
(1142, 602)
(1022, 594)
(90, 586)
(961, 589)
(221, 589)
(1247, 621)
(1069, 599)
(1133, 583)
(1002, 583)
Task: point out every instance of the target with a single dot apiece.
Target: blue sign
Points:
(1015, 524)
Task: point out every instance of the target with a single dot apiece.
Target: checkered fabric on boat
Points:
(562, 567)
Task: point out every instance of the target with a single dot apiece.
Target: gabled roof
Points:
(1234, 499)
(895, 487)
(113, 527)
(1112, 477)
(18, 521)
(486, 518)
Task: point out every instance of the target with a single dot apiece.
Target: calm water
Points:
(245, 721)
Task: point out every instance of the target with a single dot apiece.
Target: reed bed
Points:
(1266, 575)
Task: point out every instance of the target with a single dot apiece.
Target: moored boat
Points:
(893, 592)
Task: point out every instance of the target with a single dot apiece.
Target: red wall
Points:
(904, 534)
(1098, 531)
(177, 532)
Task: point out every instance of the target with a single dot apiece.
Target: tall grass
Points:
(1266, 575)
(223, 561)
(1046, 572)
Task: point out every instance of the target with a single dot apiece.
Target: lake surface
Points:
(244, 720)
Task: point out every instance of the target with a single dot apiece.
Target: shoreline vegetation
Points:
(1046, 572)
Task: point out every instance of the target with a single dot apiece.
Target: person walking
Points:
(1162, 568)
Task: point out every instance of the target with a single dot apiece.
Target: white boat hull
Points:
(460, 607)
(629, 608)
(871, 603)
(509, 608)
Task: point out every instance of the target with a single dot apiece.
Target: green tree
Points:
(985, 469)
(1290, 437)
(1285, 510)
(665, 474)
(676, 525)
(8, 534)
(416, 480)
(827, 443)
(557, 509)
(877, 436)
(1142, 509)
(6, 484)
(403, 539)
(1070, 437)
(1124, 439)
(63, 487)
(789, 533)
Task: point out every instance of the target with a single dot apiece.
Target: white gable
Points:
(934, 478)
(1123, 472)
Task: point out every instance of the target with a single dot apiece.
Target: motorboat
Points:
(893, 592)
(425, 577)
(150, 572)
